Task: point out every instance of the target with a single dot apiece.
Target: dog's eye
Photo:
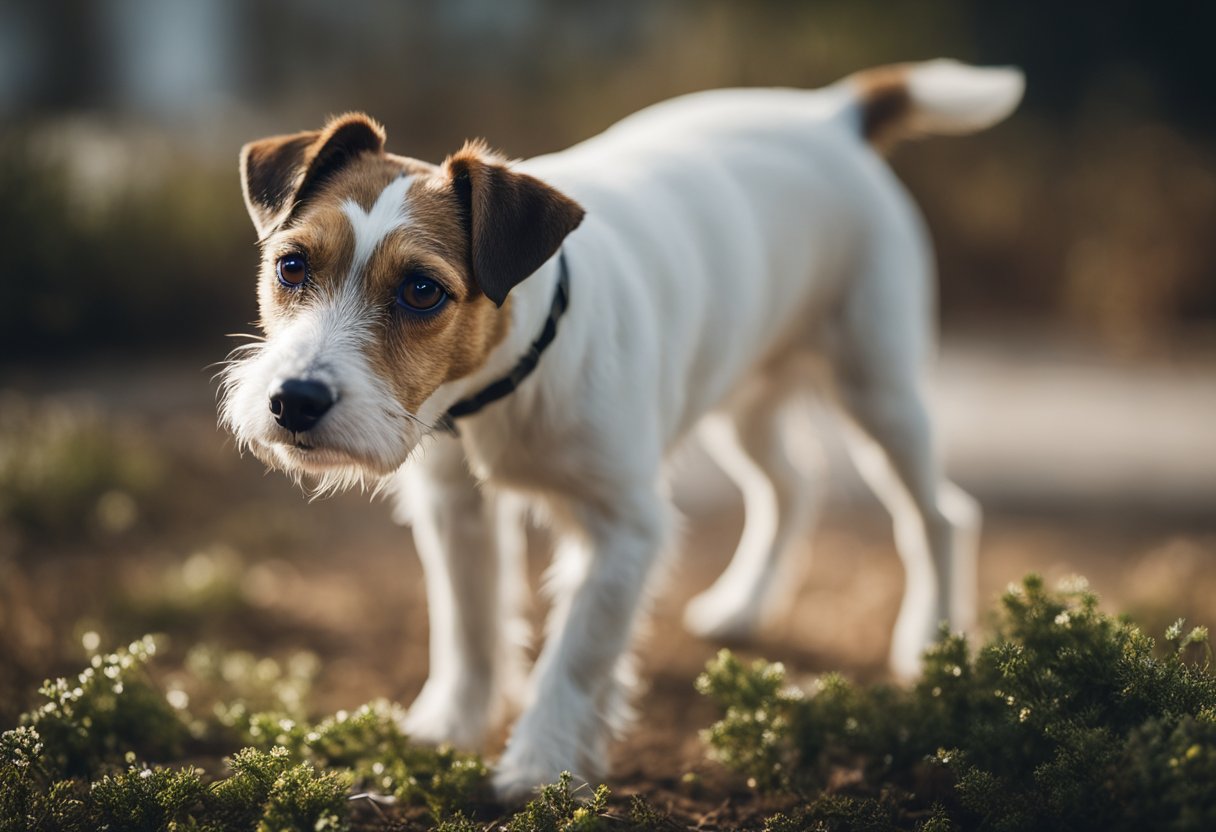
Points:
(419, 293)
(292, 270)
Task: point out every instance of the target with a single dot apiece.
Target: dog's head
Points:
(383, 278)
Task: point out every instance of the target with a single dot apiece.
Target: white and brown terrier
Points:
(553, 328)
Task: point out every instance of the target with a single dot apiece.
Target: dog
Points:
(484, 338)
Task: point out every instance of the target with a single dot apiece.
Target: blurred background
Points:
(1077, 253)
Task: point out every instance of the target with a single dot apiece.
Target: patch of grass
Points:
(83, 775)
(265, 791)
(73, 762)
(370, 744)
(1067, 718)
(269, 790)
(557, 809)
(146, 799)
(109, 710)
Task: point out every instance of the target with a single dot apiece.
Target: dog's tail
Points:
(940, 97)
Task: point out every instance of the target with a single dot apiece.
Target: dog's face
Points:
(382, 279)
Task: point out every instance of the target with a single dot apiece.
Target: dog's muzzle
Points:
(298, 404)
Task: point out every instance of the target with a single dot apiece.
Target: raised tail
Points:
(941, 97)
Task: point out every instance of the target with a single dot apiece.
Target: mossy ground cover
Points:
(105, 751)
(1066, 718)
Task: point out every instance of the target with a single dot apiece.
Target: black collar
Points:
(527, 363)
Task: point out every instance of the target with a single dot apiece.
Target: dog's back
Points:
(690, 199)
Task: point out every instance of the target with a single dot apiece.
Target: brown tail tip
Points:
(886, 103)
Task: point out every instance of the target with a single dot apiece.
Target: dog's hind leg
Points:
(936, 524)
(474, 649)
(780, 481)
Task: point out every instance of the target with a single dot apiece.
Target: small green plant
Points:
(31, 796)
(753, 736)
(558, 809)
(458, 822)
(269, 791)
(110, 709)
(147, 799)
(1066, 719)
(644, 816)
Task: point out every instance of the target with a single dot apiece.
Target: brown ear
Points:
(279, 172)
(515, 222)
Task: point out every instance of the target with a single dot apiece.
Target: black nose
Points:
(299, 404)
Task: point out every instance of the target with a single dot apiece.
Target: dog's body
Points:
(732, 241)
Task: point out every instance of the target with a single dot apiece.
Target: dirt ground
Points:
(1083, 467)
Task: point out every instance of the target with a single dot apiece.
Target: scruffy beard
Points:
(365, 437)
(325, 471)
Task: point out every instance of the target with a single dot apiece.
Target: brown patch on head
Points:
(278, 173)
(885, 103)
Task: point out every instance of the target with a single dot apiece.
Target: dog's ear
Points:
(514, 221)
(278, 173)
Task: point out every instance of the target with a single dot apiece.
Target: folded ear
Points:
(278, 173)
(514, 221)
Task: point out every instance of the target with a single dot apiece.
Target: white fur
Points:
(734, 240)
(949, 97)
(389, 213)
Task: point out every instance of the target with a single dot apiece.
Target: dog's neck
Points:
(528, 311)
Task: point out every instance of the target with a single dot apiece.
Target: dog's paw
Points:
(913, 634)
(439, 716)
(518, 776)
(905, 665)
(713, 617)
(567, 736)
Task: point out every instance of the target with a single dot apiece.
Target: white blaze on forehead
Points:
(370, 227)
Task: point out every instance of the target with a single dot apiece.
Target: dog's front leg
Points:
(471, 649)
(579, 686)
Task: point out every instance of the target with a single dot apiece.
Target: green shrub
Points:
(71, 765)
(369, 742)
(457, 823)
(1066, 719)
(31, 797)
(557, 809)
(110, 710)
(147, 799)
(268, 791)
